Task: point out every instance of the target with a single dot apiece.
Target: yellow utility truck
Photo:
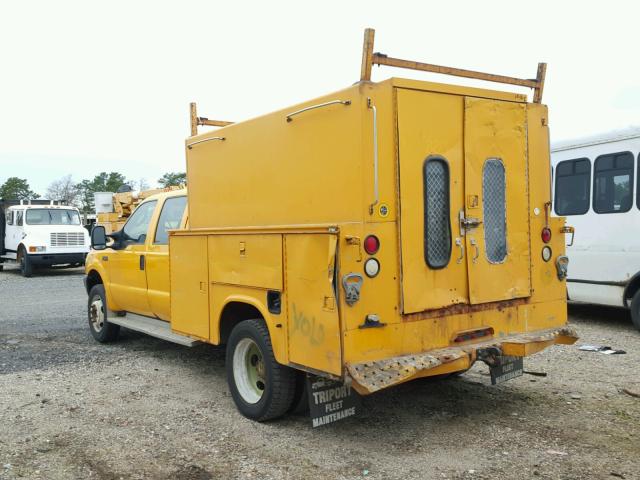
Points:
(389, 231)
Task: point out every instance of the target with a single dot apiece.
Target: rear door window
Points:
(170, 218)
(437, 227)
(494, 210)
(573, 179)
(613, 183)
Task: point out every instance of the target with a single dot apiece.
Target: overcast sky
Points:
(93, 86)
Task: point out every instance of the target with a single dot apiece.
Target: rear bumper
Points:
(57, 258)
(369, 377)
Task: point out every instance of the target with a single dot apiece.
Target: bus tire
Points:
(635, 310)
(26, 267)
(261, 388)
(101, 329)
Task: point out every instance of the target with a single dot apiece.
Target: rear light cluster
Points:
(546, 238)
(372, 265)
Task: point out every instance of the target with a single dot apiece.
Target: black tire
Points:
(26, 267)
(101, 329)
(635, 310)
(277, 383)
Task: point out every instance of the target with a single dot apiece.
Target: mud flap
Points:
(506, 368)
(330, 400)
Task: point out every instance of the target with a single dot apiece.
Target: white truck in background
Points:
(41, 233)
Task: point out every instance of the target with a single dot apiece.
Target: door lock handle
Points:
(471, 222)
(459, 244)
(141, 262)
(474, 243)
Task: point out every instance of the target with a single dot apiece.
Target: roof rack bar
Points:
(196, 120)
(369, 59)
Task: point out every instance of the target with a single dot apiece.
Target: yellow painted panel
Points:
(128, 282)
(189, 285)
(222, 295)
(269, 171)
(379, 295)
(419, 336)
(430, 125)
(544, 279)
(497, 130)
(249, 260)
(314, 324)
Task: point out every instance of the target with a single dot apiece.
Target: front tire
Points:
(261, 388)
(26, 267)
(635, 310)
(101, 329)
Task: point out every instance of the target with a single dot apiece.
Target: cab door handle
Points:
(141, 262)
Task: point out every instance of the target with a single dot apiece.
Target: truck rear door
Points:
(463, 200)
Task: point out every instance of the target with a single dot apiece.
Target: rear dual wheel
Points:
(261, 388)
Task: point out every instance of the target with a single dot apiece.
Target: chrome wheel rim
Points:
(249, 370)
(96, 314)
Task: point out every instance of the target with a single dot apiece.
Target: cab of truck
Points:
(41, 233)
(132, 264)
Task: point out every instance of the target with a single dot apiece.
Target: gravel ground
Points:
(144, 408)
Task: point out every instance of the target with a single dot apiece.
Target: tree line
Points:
(81, 194)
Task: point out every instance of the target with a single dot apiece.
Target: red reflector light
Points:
(371, 244)
(546, 234)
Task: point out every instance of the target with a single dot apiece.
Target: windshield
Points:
(48, 216)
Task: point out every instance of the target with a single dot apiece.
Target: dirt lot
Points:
(143, 408)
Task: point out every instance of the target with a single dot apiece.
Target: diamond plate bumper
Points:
(369, 377)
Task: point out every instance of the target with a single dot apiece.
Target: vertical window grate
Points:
(437, 226)
(495, 211)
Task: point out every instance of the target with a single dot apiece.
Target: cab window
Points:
(170, 218)
(20, 218)
(9, 217)
(135, 230)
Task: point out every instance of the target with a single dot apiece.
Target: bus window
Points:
(572, 187)
(638, 194)
(613, 183)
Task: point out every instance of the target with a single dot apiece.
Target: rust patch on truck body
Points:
(369, 377)
(463, 308)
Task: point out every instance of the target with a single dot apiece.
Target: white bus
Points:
(595, 185)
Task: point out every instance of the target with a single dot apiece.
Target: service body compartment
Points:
(189, 285)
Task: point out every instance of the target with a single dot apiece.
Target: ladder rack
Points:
(196, 120)
(369, 59)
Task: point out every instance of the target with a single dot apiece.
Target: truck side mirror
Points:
(98, 238)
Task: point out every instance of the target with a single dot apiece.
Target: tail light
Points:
(546, 235)
(371, 244)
